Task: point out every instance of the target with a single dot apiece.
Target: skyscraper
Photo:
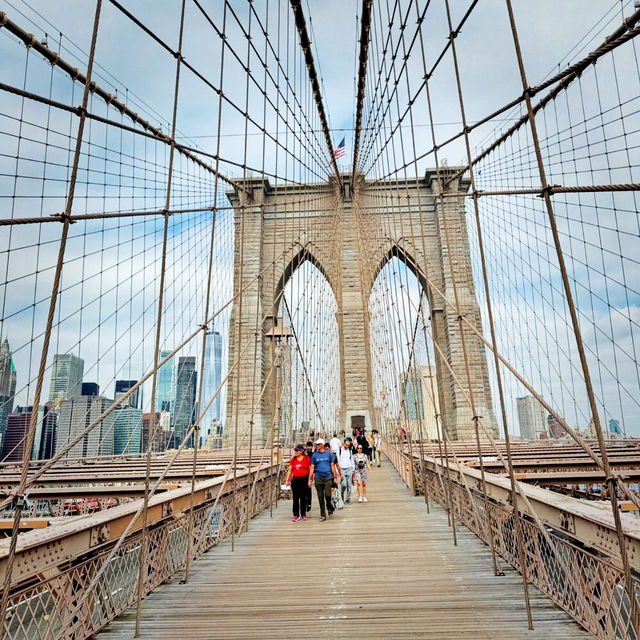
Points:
(14, 436)
(122, 386)
(66, 377)
(17, 427)
(164, 383)
(160, 428)
(555, 428)
(127, 430)
(419, 399)
(614, 427)
(90, 389)
(210, 383)
(76, 414)
(532, 418)
(183, 404)
(7, 383)
(49, 433)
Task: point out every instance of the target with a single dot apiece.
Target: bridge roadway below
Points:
(381, 569)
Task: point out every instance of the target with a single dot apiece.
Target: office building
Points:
(420, 401)
(15, 434)
(614, 427)
(210, 383)
(76, 414)
(90, 389)
(164, 383)
(7, 383)
(66, 377)
(18, 423)
(183, 403)
(532, 418)
(122, 386)
(555, 428)
(127, 430)
(49, 434)
(161, 430)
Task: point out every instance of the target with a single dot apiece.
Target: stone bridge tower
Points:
(284, 226)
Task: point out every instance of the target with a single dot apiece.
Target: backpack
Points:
(361, 463)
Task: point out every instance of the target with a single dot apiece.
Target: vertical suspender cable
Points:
(19, 499)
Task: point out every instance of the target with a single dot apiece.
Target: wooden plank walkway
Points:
(381, 569)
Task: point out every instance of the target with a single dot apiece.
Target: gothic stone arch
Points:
(292, 223)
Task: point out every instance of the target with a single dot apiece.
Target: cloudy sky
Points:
(122, 173)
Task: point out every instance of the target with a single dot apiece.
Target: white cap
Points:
(319, 441)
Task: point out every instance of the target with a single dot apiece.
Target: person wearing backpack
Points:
(347, 466)
(362, 467)
(324, 472)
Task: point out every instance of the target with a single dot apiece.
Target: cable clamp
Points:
(19, 501)
(65, 217)
(548, 190)
(460, 317)
(204, 327)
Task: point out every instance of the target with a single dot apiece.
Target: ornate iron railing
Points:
(47, 607)
(583, 580)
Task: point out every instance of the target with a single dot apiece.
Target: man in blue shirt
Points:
(324, 471)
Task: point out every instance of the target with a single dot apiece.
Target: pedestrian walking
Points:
(347, 466)
(334, 444)
(298, 474)
(375, 436)
(323, 472)
(362, 441)
(309, 451)
(362, 467)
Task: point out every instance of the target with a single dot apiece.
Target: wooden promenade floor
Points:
(381, 569)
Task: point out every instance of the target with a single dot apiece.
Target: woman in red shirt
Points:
(298, 473)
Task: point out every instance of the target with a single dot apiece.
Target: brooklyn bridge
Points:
(236, 229)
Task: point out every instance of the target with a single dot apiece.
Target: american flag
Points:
(339, 150)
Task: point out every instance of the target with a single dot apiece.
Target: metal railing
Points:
(47, 609)
(564, 562)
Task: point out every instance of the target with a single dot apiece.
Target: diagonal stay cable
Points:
(305, 43)
(362, 76)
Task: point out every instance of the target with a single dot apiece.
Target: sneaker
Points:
(364, 500)
(295, 518)
(360, 499)
(347, 501)
(303, 518)
(323, 518)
